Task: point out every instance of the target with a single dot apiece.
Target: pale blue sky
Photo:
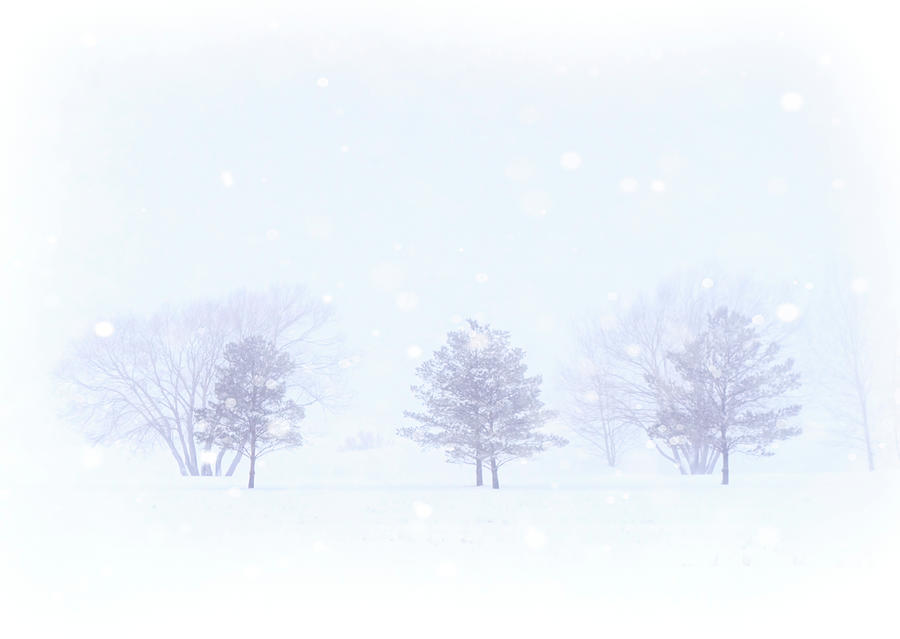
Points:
(370, 186)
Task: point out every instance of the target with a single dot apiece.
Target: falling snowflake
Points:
(628, 185)
(792, 102)
(422, 510)
(787, 312)
(322, 83)
(633, 350)
(657, 186)
(481, 278)
(707, 282)
(103, 329)
(570, 161)
(227, 179)
(859, 285)
(414, 352)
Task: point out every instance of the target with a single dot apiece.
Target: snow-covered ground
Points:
(779, 555)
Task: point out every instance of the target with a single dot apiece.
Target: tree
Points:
(479, 406)
(597, 399)
(626, 347)
(144, 383)
(251, 414)
(730, 392)
(854, 363)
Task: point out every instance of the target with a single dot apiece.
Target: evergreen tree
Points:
(251, 414)
(730, 391)
(479, 406)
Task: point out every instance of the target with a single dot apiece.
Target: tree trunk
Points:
(219, 459)
(870, 456)
(495, 478)
(479, 473)
(252, 458)
(724, 466)
(181, 467)
(678, 461)
(237, 459)
(713, 460)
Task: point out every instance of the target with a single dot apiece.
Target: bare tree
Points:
(597, 405)
(144, 383)
(855, 363)
(731, 391)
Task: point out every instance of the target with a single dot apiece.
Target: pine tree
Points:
(479, 405)
(731, 390)
(251, 414)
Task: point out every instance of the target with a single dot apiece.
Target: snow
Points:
(792, 102)
(570, 161)
(413, 351)
(787, 312)
(104, 329)
(622, 552)
(859, 285)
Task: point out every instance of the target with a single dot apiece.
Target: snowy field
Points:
(783, 555)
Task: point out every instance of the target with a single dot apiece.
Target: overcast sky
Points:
(413, 171)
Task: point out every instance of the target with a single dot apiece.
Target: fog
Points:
(532, 168)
